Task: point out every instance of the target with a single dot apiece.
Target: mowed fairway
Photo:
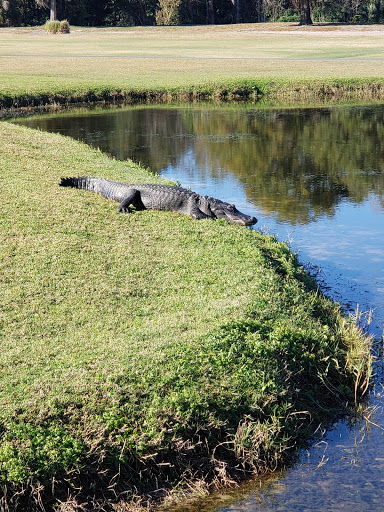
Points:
(152, 58)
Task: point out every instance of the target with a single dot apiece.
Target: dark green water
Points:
(314, 177)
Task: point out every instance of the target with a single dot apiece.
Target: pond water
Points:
(315, 178)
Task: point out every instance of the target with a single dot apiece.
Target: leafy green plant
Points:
(37, 450)
(289, 16)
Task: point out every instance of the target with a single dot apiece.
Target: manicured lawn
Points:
(266, 56)
(139, 351)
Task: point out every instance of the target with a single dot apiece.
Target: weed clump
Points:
(64, 27)
(57, 27)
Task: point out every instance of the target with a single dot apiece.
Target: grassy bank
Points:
(164, 63)
(143, 351)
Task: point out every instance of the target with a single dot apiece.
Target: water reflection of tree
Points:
(298, 164)
(153, 137)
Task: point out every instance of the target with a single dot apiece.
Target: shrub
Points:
(168, 14)
(52, 26)
(289, 16)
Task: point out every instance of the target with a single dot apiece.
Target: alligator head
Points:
(229, 212)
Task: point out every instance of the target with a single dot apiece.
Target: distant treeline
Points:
(190, 12)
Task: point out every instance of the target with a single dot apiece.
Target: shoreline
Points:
(329, 91)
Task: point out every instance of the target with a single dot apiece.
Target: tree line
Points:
(188, 12)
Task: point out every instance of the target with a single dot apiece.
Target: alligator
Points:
(161, 197)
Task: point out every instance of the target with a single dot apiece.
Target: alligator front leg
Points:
(194, 211)
(134, 199)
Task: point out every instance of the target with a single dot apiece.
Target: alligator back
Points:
(153, 196)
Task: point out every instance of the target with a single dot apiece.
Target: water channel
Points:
(315, 178)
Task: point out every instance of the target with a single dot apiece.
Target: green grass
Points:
(139, 351)
(277, 59)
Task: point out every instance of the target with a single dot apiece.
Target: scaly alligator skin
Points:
(161, 197)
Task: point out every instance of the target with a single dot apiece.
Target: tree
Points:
(52, 6)
(210, 12)
(305, 12)
(53, 9)
(273, 9)
(236, 8)
(304, 7)
(168, 12)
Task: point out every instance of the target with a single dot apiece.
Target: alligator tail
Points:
(81, 182)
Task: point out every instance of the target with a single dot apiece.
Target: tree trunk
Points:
(236, 9)
(305, 12)
(210, 12)
(53, 14)
(260, 11)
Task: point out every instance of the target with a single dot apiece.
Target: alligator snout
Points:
(243, 221)
(235, 217)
